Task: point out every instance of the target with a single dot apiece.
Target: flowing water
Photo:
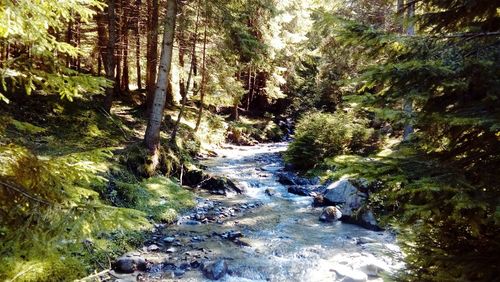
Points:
(283, 240)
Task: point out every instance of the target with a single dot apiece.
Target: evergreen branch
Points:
(24, 193)
(467, 35)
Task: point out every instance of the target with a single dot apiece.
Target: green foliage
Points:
(322, 135)
(68, 206)
(440, 189)
(158, 197)
(446, 224)
(36, 64)
(249, 131)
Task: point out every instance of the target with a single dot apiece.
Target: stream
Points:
(262, 237)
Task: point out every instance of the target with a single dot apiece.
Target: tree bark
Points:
(184, 97)
(408, 102)
(109, 62)
(119, 46)
(152, 136)
(152, 52)
(125, 76)
(203, 79)
(138, 44)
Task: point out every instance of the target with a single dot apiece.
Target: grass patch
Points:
(84, 206)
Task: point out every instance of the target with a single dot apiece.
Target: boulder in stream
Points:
(290, 178)
(215, 270)
(129, 263)
(349, 274)
(320, 201)
(352, 201)
(218, 185)
(330, 214)
(299, 190)
(270, 192)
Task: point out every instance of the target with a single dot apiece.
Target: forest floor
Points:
(107, 209)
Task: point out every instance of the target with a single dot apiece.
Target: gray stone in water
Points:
(343, 192)
(191, 222)
(153, 248)
(365, 240)
(299, 190)
(129, 263)
(330, 214)
(171, 250)
(169, 240)
(349, 274)
(215, 270)
(270, 192)
(179, 272)
(351, 200)
(373, 268)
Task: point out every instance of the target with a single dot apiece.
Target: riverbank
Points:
(85, 204)
(261, 236)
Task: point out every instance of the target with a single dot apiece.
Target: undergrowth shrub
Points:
(248, 131)
(321, 135)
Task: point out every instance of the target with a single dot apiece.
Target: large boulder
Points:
(193, 177)
(196, 178)
(290, 178)
(129, 263)
(215, 270)
(350, 275)
(352, 201)
(300, 190)
(270, 192)
(220, 185)
(342, 191)
(330, 214)
(320, 201)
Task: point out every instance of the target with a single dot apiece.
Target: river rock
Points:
(349, 274)
(270, 192)
(365, 240)
(330, 214)
(290, 178)
(168, 240)
(352, 203)
(129, 263)
(320, 201)
(153, 248)
(299, 190)
(215, 270)
(218, 184)
(374, 268)
(193, 177)
(342, 191)
(171, 250)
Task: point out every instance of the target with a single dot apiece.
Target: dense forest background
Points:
(107, 104)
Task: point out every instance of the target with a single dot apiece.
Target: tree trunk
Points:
(99, 64)
(69, 40)
(408, 102)
(109, 62)
(184, 97)
(400, 15)
(203, 79)
(152, 136)
(169, 103)
(182, 51)
(152, 53)
(78, 43)
(125, 76)
(138, 44)
(236, 115)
